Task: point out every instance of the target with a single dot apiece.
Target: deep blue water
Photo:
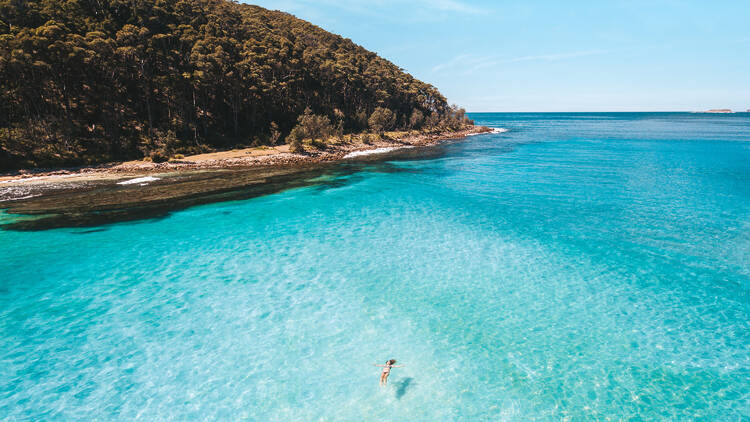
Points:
(579, 266)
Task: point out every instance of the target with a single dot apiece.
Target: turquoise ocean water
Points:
(578, 266)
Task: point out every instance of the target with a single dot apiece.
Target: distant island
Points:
(84, 83)
(718, 110)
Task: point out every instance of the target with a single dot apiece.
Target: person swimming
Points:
(387, 370)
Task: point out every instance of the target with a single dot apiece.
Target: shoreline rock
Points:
(92, 197)
(281, 157)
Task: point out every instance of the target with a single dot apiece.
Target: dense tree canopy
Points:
(382, 119)
(85, 81)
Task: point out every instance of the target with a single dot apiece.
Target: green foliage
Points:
(416, 119)
(381, 120)
(84, 81)
(317, 143)
(312, 127)
(454, 119)
(295, 145)
(159, 146)
(360, 119)
(433, 121)
(369, 138)
(274, 135)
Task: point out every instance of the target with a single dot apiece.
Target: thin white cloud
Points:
(372, 7)
(451, 6)
(463, 58)
(471, 63)
(555, 57)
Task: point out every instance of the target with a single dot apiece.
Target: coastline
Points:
(238, 158)
(129, 191)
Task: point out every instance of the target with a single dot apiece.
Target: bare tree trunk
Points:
(148, 98)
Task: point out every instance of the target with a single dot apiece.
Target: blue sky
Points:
(530, 55)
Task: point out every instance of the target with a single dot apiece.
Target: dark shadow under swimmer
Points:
(402, 386)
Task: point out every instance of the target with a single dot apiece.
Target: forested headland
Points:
(92, 81)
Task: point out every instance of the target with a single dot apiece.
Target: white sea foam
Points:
(494, 130)
(372, 151)
(10, 198)
(142, 180)
(25, 197)
(31, 179)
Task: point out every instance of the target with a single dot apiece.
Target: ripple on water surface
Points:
(537, 274)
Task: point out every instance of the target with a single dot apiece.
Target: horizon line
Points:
(620, 111)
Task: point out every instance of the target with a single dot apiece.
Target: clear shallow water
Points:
(579, 266)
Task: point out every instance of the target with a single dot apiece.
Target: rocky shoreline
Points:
(250, 157)
(135, 190)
